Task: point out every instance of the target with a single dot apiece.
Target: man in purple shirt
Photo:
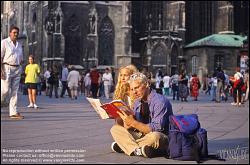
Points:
(145, 131)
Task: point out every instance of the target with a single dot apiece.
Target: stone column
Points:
(125, 58)
(58, 38)
(91, 58)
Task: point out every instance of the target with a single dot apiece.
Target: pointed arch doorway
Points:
(159, 58)
(106, 42)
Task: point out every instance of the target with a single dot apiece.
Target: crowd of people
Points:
(144, 130)
(95, 83)
(219, 86)
(70, 81)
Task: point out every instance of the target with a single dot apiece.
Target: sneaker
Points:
(138, 152)
(116, 148)
(30, 106)
(35, 106)
(148, 151)
(17, 116)
(233, 103)
(145, 151)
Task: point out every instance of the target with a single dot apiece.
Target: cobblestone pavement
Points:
(70, 131)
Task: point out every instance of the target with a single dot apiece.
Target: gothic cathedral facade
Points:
(149, 34)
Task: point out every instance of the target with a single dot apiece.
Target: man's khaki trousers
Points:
(129, 140)
(10, 86)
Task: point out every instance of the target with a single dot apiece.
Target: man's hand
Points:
(127, 119)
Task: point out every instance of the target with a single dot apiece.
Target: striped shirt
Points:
(160, 109)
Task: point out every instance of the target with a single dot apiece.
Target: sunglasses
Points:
(137, 76)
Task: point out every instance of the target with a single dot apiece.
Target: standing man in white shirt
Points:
(107, 82)
(11, 60)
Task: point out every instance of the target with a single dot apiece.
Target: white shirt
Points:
(11, 54)
(65, 73)
(214, 81)
(158, 80)
(237, 75)
(87, 80)
(166, 81)
(73, 78)
(46, 74)
(107, 79)
(174, 79)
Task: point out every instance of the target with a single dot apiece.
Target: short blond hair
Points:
(138, 76)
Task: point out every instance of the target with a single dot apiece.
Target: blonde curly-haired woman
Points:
(122, 90)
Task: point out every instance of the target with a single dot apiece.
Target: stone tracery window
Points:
(218, 61)
(159, 56)
(106, 42)
(194, 64)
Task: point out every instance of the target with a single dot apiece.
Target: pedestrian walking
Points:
(100, 91)
(220, 84)
(166, 84)
(87, 84)
(175, 86)
(46, 77)
(209, 85)
(94, 75)
(214, 86)
(183, 86)
(64, 82)
(32, 72)
(194, 87)
(11, 60)
(107, 82)
(73, 82)
(158, 81)
(54, 81)
(238, 82)
(226, 87)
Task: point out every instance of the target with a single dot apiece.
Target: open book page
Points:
(129, 101)
(116, 105)
(96, 104)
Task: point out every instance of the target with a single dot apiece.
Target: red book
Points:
(115, 106)
(109, 110)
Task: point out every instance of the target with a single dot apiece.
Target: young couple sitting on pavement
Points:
(144, 131)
